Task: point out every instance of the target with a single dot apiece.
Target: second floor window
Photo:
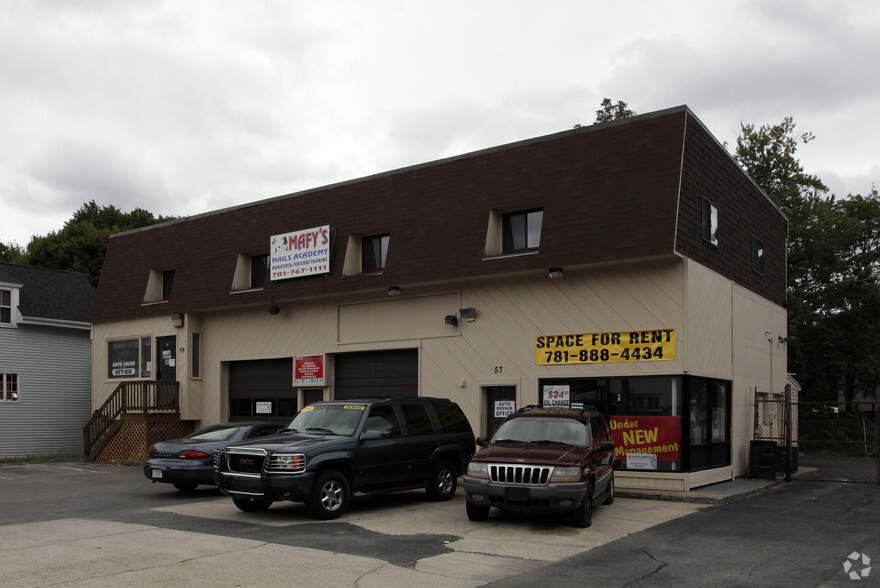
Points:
(167, 280)
(6, 307)
(757, 255)
(710, 222)
(374, 250)
(259, 269)
(522, 230)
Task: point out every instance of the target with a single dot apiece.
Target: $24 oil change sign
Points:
(624, 346)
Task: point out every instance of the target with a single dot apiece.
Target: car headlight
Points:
(566, 475)
(478, 469)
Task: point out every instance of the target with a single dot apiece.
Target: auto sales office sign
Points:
(299, 254)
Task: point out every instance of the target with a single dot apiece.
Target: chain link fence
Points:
(829, 441)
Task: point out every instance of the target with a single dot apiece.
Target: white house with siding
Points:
(45, 360)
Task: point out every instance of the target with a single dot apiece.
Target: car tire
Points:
(582, 517)
(444, 481)
(185, 486)
(476, 512)
(610, 498)
(330, 495)
(250, 505)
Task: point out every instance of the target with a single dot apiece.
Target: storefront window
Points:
(644, 415)
(658, 423)
(709, 423)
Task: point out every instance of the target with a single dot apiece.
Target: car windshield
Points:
(332, 419)
(216, 433)
(542, 430)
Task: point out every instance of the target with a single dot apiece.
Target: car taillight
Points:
(191, 454)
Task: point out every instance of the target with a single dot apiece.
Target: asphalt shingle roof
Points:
(50, 293)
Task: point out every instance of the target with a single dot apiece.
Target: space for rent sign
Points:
(301, 253)
(624, 346)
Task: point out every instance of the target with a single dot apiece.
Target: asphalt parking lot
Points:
(76, 524)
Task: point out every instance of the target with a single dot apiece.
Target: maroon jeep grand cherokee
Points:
(543, 460)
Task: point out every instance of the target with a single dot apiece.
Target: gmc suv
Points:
(334, 450)
(543, 460)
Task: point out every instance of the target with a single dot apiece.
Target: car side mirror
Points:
(371, 435)
(606, 445)
(482, 441)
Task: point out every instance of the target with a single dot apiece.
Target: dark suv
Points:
(543, 460)
(334, 450)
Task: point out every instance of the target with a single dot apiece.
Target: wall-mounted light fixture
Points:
(782, 339)
(451, 319)
(177, 320)
(555, 272)
(393, 290)
(273, 310)
(468, 314)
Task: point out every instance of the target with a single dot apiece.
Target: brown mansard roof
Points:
(627, 190)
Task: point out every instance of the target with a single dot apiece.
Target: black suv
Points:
(543, 460)
(334, 450)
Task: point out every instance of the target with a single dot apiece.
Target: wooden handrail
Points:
(147, 396)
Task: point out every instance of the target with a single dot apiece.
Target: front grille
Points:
(245, 461)
(528, 475)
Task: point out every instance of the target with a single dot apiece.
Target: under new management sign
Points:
(303, 253)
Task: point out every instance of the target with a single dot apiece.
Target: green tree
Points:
(609, 111)
(81, 244)
(11, 252)
(832, 291)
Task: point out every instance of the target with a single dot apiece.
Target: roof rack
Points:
(574, 406)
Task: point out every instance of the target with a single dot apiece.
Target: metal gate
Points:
(828, 441)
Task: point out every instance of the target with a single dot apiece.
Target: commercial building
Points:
(630, 265)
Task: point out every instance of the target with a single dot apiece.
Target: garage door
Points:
(262, 389)
(377, 374)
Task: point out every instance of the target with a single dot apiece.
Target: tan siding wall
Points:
(721, 332)
(709, 323)
(759, 360)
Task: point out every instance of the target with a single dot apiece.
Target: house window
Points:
(167, 280)
(521, 231)
(757, 255)
(710, 222)
(6, 307)
(8, 387)
(374, 250)
(259, 269)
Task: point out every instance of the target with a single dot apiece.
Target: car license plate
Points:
(156, 473)
(516, 493)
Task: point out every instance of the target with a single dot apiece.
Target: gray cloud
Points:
(181, 108)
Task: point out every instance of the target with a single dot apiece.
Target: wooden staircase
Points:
(136, 415)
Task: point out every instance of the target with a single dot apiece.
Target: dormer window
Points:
(365, 255)
(167, 280)
(374, 250)
(522, 230)
(159, 286)
(5, 307)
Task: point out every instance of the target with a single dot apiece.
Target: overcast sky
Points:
(185, 107)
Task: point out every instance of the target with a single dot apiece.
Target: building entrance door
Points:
(498, 400)
(166, 359)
